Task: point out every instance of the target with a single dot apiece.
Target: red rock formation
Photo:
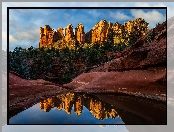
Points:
(60, 31)
(48, 35)
(69, 34)
(99, 32)
(79, 33)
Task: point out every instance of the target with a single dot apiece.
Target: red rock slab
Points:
(143, 81)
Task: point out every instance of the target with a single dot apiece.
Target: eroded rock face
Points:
(79, 33)
(99, 33)
(69, 34)
(46, 35)
(60, 33)
(49, 35)
(121, 32)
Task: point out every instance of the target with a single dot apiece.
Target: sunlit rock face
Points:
(48, 35)
(99, 33)
(99, 110)
(69, 34)
(79, 33)
(59, 33)
(122, 32)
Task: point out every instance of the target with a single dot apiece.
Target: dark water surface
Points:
(80, 108)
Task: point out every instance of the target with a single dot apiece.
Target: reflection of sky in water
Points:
(34, 115)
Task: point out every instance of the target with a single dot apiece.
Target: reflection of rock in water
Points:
(47, 104)
(78, 105)
(99, 109)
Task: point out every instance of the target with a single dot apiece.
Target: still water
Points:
(80, 108)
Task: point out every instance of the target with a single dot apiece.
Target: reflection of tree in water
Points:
(99, 109)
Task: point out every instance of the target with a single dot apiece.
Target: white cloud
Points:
(12, 39)
(94, 13)
(152, 17)
(119, 16)
(32, 35)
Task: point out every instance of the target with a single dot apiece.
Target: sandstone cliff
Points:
(69, 34)
(48, 35)
(101, 32)
(79, 33)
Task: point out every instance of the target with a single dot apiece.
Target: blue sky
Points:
(24, 24)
